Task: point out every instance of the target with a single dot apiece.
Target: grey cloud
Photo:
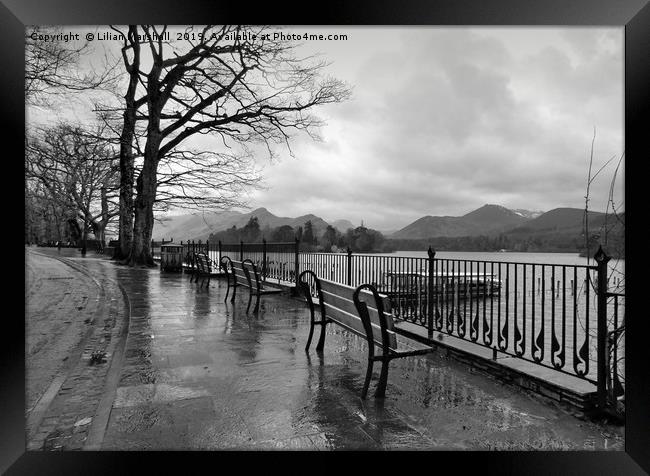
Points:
(449, 120)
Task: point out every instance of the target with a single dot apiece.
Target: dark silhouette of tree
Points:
(251, 232)
(238, 84)
(283, 234)
(330, 238)
(308, 234)
(52, 67)
(75, 170)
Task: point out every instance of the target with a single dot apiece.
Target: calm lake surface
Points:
(542, 258)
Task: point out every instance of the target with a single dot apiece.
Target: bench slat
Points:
(342, 289)
(353, 322)
(203, 263)
(341, 296)
(347, 304)
(242, 280)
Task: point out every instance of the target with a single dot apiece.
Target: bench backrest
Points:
(203, 263)
(235, 270)
(190, 258)
(336, 302)
(252, 274)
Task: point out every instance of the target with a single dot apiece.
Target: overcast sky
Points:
(445, 120)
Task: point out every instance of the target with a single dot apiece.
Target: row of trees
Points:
(234, 84)
(359, 240)
(71, 178)
(548, 242)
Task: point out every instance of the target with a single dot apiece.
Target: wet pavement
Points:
(197, 373)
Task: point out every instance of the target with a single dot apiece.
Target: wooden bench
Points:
(203, 267)
(242, 273)
(364, 312)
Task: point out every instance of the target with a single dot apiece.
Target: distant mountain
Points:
(528, 213)
(493, 228)
(342, 225)
(564, 228)
(564, 219)
(494, 217)
(488, 219)
(430, 226)
(200, 226)
(194, 226)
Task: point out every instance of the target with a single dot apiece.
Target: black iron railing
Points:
(277, 261)
(615, 348)
(554, 315)
(557, 316)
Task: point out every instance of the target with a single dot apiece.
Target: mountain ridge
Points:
(200, 226)
(490, 219)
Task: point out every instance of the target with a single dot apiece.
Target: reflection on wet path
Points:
(202, 374)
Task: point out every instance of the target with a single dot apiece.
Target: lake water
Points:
(519, 257)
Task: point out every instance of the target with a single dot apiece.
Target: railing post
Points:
(263, 259)
(602, 259)
(207, 248)
(241, 250)
(296, 266)
(349, 283)
(432, 255)
(219, 245)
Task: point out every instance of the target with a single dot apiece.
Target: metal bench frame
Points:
(203, 267)
(387, 334)
(234, 269)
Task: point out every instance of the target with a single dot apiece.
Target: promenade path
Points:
(185, 370)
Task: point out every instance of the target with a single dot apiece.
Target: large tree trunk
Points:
(143, 223)
(126, 179)
(147, 180)
(126, 206)
(127, 159)
(99, 230)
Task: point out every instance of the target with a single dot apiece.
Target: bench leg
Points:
(234, 291)
(311, 331)
(366, 384)
(321, 339)
(250, 299)
(257, 305)
(383, 380)
(227, 290)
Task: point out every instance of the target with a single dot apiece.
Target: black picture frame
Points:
(634, 15)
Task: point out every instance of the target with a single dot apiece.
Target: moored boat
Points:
(445, 285)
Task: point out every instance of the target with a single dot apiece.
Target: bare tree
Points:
(238, 84)
(52, 66)
(78, 171)
(200, 180)
(610, 236)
